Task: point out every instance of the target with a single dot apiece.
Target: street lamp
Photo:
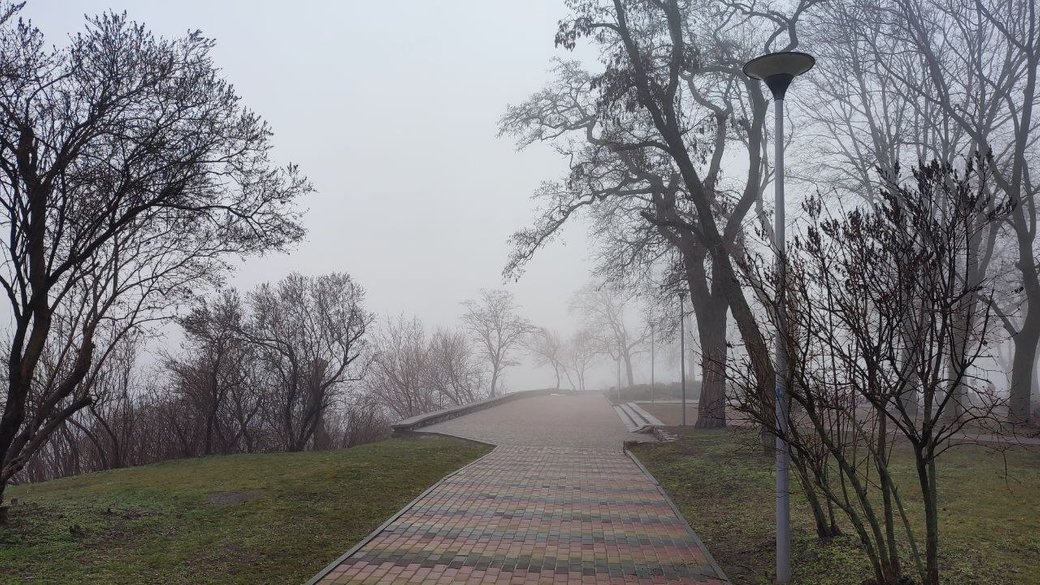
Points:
(619, 376)
(778, 70)
(651, 363)
(682, 355)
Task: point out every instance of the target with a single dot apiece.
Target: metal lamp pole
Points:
(651, 363)
(619, 376)
(778, 70)
(682, 355)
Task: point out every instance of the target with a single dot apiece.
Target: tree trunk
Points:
(494, 382)
(628, 368)
(321, 439)
(207, 444)
(711, 326)
(909, 399)
(893, 569)
(926, 476)
(1023, 364)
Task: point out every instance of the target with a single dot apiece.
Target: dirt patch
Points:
(233, 497)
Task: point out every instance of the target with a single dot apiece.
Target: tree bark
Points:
(711, 309)
(926, 476)
(711, 408)
(1023, 364)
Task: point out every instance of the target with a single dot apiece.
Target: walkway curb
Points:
(410, 425)
(693, 534)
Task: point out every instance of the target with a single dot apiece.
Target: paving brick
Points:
(557, 501)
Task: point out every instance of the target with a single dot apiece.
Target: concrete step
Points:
(647, 418)
(635, 419)
(626, 418)
(632, 414)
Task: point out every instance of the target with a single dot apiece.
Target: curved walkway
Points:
(557, 501)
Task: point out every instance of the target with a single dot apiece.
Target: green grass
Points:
(990, 522)
(272, 518)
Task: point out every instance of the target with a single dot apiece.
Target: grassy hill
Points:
(272, 518)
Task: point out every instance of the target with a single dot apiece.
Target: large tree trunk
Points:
(711, 409)
(725, 282)
(1023, 364)
(711, 308)
(628, 368)
(14, 414)
(322, 441)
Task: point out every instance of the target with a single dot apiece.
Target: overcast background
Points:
(391, 109)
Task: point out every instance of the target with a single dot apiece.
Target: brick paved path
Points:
(557, 501)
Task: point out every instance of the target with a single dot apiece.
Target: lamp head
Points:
(779, 69)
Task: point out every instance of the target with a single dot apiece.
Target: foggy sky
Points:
(391, 109)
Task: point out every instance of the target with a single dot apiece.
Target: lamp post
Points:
(778, 70)
(619, 376)
(651, 363)
(682, 355)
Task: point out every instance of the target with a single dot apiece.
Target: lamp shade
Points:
(790, 63)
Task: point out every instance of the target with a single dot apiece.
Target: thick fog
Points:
(391, 109)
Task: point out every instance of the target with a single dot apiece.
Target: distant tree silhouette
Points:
(548, 349)
(870, 109)
(309, 334)
(603, 310)
(497, 330)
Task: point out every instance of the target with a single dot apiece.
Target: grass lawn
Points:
(990, 523)
(273, 518)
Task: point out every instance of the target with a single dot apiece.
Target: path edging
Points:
(410, 425)
(693, 534)
(371, 535)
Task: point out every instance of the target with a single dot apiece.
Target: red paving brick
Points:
(557, 501)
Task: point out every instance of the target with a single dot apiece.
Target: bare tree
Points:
(603, 310)
(924, 79)
(452, 370)
(647, 139)
(216, 374)
(497, 329)
(111, 422)
(398, 379)
(310, 338)
(877, 300)
(548, 349)
(362, 422)
(128, 170)
(581, 351)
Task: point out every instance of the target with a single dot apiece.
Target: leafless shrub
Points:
(885, 326)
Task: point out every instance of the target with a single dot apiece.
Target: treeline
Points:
(273, 370)
(295, 365)
(300, 364)
(413, 373)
